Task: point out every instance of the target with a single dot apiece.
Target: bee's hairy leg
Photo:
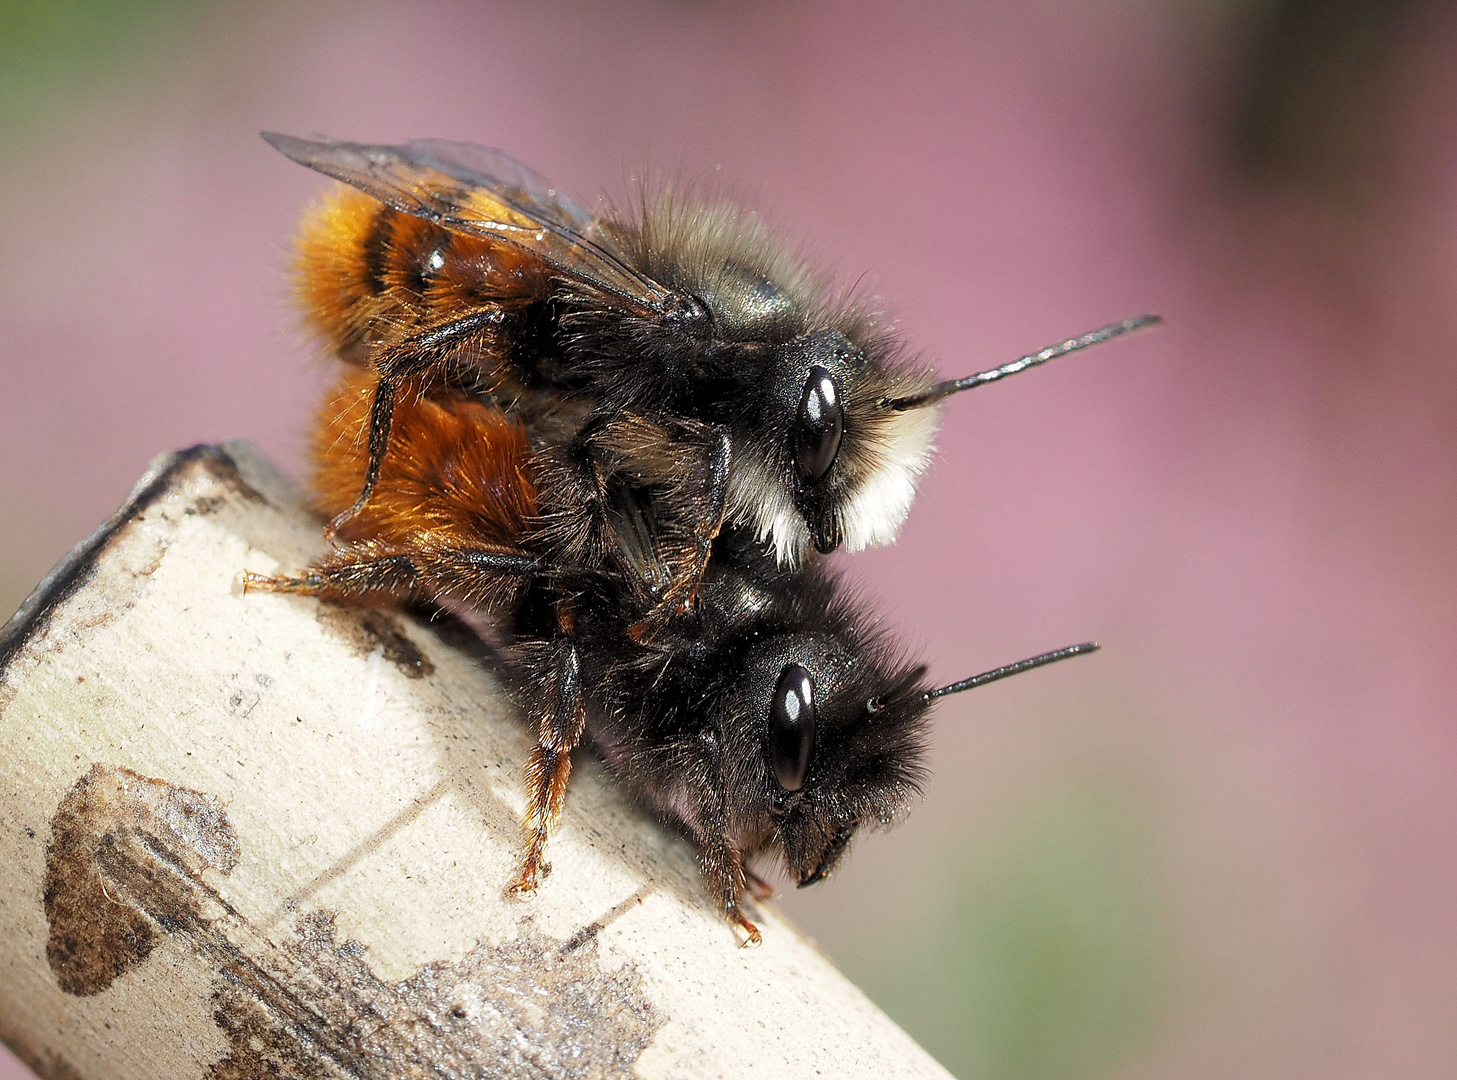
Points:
(710, 525)
(733, 908)
(705, 509)
(365, 569)
(558, 694)
(664, 542)
(572, 526)
(381, 421)
(741, 923)
(429, 356)
(305, 584)
(723, 867)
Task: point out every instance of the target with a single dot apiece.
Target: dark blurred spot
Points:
(1313, 79)
(102, 897)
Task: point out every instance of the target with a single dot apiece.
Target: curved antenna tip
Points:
(1040, 660)
(937, 391)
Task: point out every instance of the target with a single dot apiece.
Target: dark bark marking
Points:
(97, 931)
(126, 865)
(366, 630)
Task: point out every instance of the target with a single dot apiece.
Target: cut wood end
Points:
(257, 835)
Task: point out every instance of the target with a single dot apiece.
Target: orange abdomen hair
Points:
(334, 278)
(457, 473)
(366, 273)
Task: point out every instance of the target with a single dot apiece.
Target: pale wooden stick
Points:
(247, 836)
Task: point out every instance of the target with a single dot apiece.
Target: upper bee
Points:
(687, 311)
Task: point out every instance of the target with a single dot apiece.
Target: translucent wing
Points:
(522, 188)
(479, 191)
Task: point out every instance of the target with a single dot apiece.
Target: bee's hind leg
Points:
(370, 570)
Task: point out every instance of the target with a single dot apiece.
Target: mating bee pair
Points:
(611, 442)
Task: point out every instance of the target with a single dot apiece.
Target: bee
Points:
(684, 353)
(778, 725)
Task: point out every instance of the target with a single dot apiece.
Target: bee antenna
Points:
(1011, 669)
(935, 393)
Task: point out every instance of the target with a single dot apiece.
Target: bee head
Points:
(845, 468)
(822, 729)
(800, 375)
(824, 734)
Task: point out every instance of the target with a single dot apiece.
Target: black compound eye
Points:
(819, 425)
(792, 727)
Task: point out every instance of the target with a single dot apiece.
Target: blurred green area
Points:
(1305, 78)
(1039, 953)
(56, 57)
(52, 52)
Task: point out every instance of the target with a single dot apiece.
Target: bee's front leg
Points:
(691, 505)
(723, 867)
(711, 489)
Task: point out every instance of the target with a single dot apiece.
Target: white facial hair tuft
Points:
(759, 498)
(880, 504)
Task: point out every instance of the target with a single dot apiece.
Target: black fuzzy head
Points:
(798, 374)
(818, 721)
(713, 730)
(850, 755)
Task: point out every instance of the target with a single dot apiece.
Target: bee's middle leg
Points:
(563, 719)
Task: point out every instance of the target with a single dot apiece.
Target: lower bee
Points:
(778, 724)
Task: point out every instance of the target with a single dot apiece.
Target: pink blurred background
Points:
(1225, 846)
